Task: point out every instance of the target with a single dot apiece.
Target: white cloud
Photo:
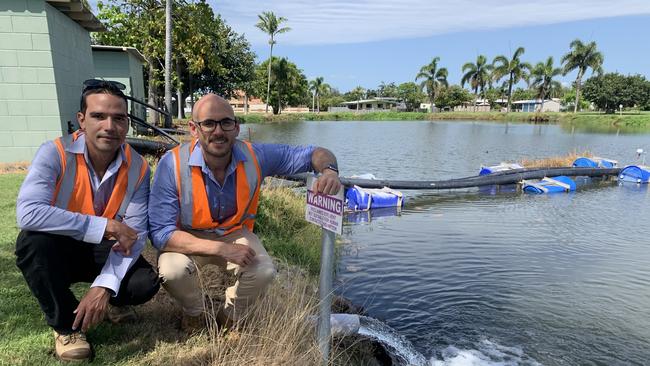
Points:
(339, 21)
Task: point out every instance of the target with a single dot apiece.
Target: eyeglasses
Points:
(91, 84)
(209, 125)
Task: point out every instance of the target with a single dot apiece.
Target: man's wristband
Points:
(332, 167)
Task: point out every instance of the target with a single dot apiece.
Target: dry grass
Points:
(554, 161)
(277, 330)
(14, 167)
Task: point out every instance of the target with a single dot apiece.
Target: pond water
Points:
(506, 279)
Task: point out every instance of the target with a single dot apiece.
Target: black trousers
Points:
(51, 263)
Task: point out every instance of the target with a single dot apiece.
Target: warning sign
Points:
(324, 210)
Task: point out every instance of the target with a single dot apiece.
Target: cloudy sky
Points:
(366, 42)
(335, 21)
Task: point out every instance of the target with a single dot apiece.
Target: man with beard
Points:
(203, 203)
(83, 213)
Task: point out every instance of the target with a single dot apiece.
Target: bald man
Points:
(203, 204)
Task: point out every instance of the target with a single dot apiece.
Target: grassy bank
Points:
(279, 334)
(625, 120)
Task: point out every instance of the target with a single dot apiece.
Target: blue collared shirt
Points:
(34, 211)
(274, 159)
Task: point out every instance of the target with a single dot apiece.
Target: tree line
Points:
(497, 81)
(209, 56)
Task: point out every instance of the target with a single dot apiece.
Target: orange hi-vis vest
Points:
(193, 197)
(73, 190)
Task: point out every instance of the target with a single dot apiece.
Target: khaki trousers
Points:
(179, 276)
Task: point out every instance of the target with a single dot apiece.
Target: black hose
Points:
(174, 131)
(499, 178)
(149, 147)
(151, 127)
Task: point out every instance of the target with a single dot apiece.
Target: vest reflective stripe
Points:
(184, 182)
(74, 190)
(195, 208)
(65, 183)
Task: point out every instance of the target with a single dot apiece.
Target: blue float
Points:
(635, 173)
(549, 185)
(502, 188)
(485, 170)
(362, 199)
(595, 162)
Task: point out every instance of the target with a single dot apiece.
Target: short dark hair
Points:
(96, 86)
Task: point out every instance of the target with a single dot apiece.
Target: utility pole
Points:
(168, 60)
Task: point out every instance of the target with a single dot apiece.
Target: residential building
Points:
(376, 104)
(256, 105)
(535, 105)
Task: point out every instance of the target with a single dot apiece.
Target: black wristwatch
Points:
(332, 167)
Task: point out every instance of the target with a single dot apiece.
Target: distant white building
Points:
(377, 104)
(535, 105)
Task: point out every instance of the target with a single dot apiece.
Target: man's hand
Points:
(328, 182)
(239, 254)
(124, 235)
(91, 309)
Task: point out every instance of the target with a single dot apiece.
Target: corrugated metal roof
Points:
(78, 11)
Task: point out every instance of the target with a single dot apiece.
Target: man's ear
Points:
(193, 130)
(81, 120)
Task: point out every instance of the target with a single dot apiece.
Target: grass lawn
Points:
(27, 340)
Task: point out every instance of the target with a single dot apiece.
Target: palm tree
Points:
(434, 78)
(582, 57)
(318, 88)
(270, 24)
(543, 74)
(513, 68)
(477, 75)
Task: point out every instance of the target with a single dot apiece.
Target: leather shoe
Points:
(71, 347)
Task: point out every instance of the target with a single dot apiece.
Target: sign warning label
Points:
(324, 210)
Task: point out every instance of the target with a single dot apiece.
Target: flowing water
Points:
(482, 279)
(400, 349)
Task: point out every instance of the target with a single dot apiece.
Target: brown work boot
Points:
(224, 322)
(121, 314)
(193, 324)
(71, 347)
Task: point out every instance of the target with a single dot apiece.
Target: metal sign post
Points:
(327, 212)
(325, 293)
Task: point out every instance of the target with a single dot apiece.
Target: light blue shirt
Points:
(274, 159)
(34, 211)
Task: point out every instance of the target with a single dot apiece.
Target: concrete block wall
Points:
(44, 58)
(72, 61)
(26, 80)
(137, 85)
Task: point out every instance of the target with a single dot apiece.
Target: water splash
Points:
(400, 349)
(488, 354)
(402, 352)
